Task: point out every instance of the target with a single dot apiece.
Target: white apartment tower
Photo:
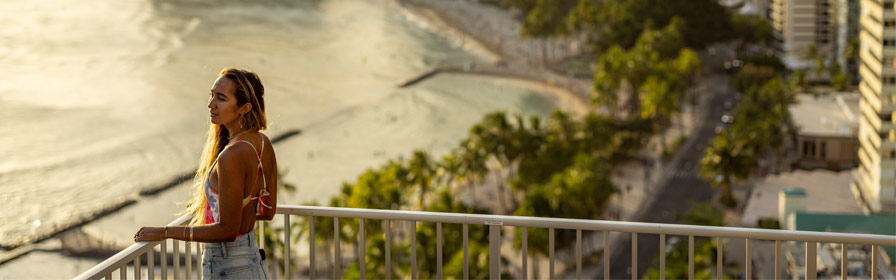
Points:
(875, 179)
(800, 23)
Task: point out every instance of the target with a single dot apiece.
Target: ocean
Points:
(102, 98)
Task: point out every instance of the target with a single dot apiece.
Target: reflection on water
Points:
(101, 97)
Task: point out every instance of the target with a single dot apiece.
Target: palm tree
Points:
(471, 164)
(608, 75)
(497, 136)
(727, 160)
(420, 172)
(447, 170)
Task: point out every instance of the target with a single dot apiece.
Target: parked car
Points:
(727, 118)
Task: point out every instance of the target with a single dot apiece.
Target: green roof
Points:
(794, 191)
(848, 223)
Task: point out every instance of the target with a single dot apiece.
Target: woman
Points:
(235, 184)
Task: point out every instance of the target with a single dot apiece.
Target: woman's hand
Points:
(150, 234)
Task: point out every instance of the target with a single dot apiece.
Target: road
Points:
(681, 184)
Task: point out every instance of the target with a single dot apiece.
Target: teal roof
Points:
(848, 223)
(794, 191)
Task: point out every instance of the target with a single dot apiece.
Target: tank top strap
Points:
(254, 149)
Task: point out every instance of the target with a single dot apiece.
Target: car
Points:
(727, 118)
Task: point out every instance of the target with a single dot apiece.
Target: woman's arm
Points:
(231, 177)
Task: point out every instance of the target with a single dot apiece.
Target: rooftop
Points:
(826, 192)
(850, 223)
(831, 116)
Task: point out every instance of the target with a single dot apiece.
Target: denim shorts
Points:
(239, 259)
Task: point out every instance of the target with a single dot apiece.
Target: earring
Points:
(242, 122)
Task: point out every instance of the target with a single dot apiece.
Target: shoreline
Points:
(518, 56)
(430, 19)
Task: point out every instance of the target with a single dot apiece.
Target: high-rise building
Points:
(875, 178)
(846, 13)
(799, 24)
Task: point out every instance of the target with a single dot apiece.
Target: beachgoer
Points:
(235, 185)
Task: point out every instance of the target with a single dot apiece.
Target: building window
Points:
(888, 5)
(808, 149)
(890, 42)
(889, 80)
(823, 148)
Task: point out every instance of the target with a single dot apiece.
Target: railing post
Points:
(843, 261)
(811, 255)
(123, 272)
(387, 228)
(188, 258)
(151, 273)
(312, 264)
(287, 260)
(261, 237)
(164, 263)
(875, 261)
(777, 259)
(413, 233)
(362, 255)
(606, 255)
(720, 251)
(176, 249)
(634, 256)
(466, 252)
(551, 253)
(137, 268)
(439, 251)
(749, 261)
(525, 243)
(494, 251)
(198, 260)
(662, 256)
(579, 254)
(690, 257)
(337, 253)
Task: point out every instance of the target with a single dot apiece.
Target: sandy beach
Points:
(488, 29)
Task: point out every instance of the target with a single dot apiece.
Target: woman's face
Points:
(222, 107)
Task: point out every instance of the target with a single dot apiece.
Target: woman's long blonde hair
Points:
(248, 90)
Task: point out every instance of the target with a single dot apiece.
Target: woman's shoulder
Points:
(236, 152)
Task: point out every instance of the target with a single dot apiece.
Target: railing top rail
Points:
(595, 225)
(128, 254)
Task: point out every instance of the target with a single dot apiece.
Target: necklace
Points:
(235, 135)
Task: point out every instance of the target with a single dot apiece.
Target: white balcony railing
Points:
(134, 254)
